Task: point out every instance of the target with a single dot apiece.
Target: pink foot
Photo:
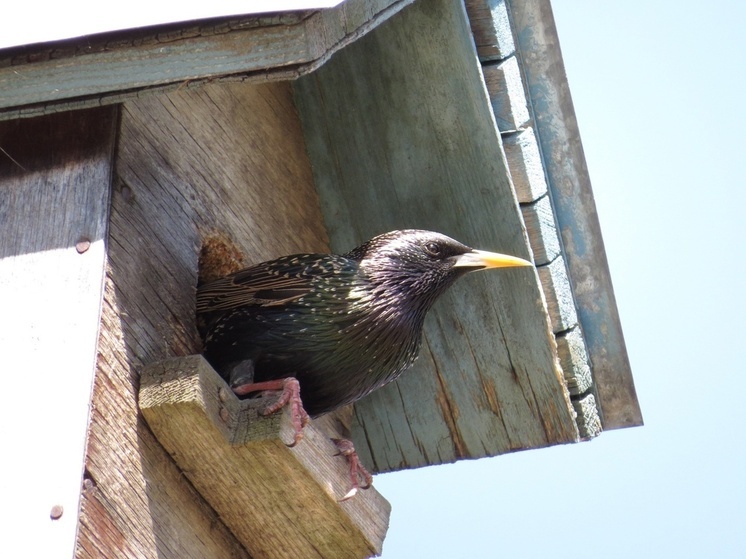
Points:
(357, 470)
(290, 395)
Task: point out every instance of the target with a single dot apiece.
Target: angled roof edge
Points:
(519, 48)
(112, 67)
(69, 23)
(522, 60)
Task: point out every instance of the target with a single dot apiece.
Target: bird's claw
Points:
(349, 495)
(357, 470)
(290, 395)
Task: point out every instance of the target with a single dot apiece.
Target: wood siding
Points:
(225, 158)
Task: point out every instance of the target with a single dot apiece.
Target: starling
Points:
(328, 329)
(342, 325)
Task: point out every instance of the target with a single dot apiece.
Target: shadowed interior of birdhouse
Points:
(218, 257)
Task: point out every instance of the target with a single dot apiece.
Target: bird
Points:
(328, 329)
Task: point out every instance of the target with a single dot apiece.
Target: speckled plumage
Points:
(343, 325)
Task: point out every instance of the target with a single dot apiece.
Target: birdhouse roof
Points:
(250, 136)
(424, 115)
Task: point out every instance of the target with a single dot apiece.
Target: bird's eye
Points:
(433, 249)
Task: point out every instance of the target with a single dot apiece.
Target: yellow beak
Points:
(484, 259)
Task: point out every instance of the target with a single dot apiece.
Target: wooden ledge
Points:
(278, 501)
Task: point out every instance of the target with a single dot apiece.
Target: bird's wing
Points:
(267, 284)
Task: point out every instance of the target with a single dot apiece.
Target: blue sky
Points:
(658, 91)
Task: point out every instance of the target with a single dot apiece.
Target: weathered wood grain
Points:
(113, 67)
(574, 361)
(55, 183)
(493, 35)
(279, 502)
(526, 167)
(224, 157)
(589, 419)
(136, 502)
(399, 131)
(506, 93)
(575, 209)
(542, 230)
(491, 28)
(558, 293)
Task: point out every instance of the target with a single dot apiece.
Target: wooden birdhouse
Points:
(134, 162)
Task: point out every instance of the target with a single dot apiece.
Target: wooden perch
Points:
(278, 501)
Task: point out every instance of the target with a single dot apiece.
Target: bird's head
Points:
(420, 265)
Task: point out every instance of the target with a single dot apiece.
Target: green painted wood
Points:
(115, 66)
(400, 134)
(575, 209)
(139, 62)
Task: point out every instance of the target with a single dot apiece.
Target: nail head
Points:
(82, 245)
(56, 512)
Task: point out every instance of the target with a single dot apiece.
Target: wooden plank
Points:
(280, 502)
(526, 167)
(542, 231)
(575, 209)
(589, 419)
(133, 60)
(506, 93)
(227, 158)
(106, 67)
(70, 24)
(574, 361)
(491, 28)
(558, 293)
(55, 183)
(399, 130)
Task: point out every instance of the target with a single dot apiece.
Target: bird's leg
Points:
(357, 470)
(290, 395)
